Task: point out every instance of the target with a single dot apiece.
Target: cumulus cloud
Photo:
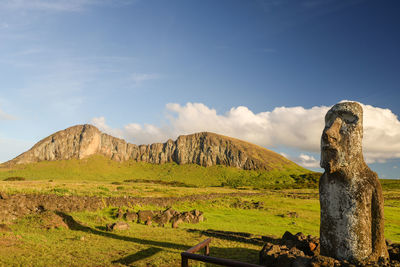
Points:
(292, 127)
(381, 134)
(134, 132)
(307, 161)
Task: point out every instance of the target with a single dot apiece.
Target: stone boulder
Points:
(303, 251)
(131, 216)
(144, 215)
(3, 195)
(120, 226)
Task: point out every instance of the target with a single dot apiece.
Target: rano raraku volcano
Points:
(205, 149)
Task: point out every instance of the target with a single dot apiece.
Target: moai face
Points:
(341, 142)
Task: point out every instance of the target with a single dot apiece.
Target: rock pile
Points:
(247, 205)
(300, 250)
(161, 218)
(394, 250)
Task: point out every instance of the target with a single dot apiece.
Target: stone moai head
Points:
(341, 142)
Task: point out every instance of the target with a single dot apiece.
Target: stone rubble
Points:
(161, 218)
(304, 251)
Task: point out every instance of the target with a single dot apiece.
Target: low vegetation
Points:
(100, 169)
(265, 212)
(246, 206)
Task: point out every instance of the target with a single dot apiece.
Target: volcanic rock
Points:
(205, 149)
(117, 226)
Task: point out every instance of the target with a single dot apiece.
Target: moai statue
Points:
(350, 193)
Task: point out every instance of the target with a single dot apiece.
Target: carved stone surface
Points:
(351, 200)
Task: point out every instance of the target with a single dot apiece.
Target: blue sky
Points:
(265, 71)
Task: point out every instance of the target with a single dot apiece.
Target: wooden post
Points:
(185, 261)
(207, 250)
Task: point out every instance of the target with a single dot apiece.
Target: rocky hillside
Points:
(205, 149)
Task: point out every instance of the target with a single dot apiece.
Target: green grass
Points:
(98, 168)
(89, 245)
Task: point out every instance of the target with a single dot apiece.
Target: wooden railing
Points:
(191, 254)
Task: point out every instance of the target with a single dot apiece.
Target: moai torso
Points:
(350, 194)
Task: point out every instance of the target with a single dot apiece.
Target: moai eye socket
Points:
(349, 117)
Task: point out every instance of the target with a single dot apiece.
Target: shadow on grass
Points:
(76, 226)
(143, 254)
(245, 254)
(237, 236)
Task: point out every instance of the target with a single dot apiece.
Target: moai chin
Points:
(351, 200)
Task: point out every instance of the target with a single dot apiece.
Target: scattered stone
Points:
(169, 216)
(119, 214)
(3, 195)
(201, 218)
(117, 226)
(350, 193)
(196, 212)
(244, 204)
(176, 222)
(131, 216)
(394, 252)
(303, 251)
(144, 215)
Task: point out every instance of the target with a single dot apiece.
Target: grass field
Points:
(88, 244)
(98, 168)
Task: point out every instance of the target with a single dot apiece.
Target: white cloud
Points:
(381, 134)
(307, 161)
(133, 132)
(304, 160)
(292, 127)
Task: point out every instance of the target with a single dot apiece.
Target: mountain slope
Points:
(205, 149)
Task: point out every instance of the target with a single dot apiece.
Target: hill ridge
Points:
(202, 148)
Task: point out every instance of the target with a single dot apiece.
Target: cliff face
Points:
(205, 149)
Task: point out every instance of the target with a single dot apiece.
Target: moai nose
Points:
(332, 133)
